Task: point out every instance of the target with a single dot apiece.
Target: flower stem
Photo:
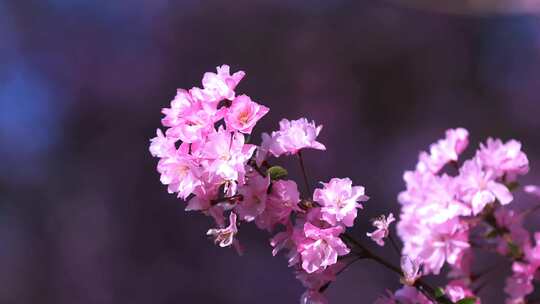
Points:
(306, 183)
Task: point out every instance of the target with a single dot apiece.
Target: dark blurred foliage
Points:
(83, 217)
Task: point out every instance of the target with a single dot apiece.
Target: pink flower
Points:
(532, 254)
(254, 194)
(411, 270)
(286, 240)
(221, 85)
(532, 189)
(244, 114)
(224, 154)
(181, 106)
(195, 126)
(382, 224)
(339, 201)
(317, 280)
(320, 248)
(295, 135)
(179, 172)
(161, 146)
(225, 236)
(457, 290)
(445, 243)
(478, 187)
(405, 295)
(513, 223)
(283, 200)
(444, 150)
(520, 284)
(313, 297)
(503, 159)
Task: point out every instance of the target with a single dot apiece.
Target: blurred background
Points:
(83, 216)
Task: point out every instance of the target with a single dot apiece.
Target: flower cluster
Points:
(205, 158)
(446, 205)
(450, 206)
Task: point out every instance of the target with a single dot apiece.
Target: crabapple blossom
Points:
(243, 114)
(293, 135)
(447, 242)
(382, 223)
(479, 188)
(204, 158)
(254, 194)
(339, 200)
(281, 202)
(503, 159)
(221, 85)
(179, 171)
(225, 153)
(320, 248)
(411, 269)
(225, 236)
(444, 150)
(161, 146)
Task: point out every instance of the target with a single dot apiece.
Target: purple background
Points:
(83, 217)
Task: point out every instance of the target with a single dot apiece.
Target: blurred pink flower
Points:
(479, 188)
(444, 150)
(503, 159)
(283, 200)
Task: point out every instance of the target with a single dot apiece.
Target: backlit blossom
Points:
(411, 269)
(243, 114)
(479, 188)
(382, 224)
(225, 154)
(320, 248)
(444, 150)
(224, 237)
(503, 159)
(221, 85)
(161, 146)
(180, 173)
(295, 135)
(339, 200)
(446, 243)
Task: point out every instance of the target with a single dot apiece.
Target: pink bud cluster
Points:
(446, 205)
(205, 158)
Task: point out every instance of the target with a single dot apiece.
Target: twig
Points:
(301, 159)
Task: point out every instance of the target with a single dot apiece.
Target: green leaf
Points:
(468, 300)
(515, 251)
(439, 292)
(512, 186)
(277, 172)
